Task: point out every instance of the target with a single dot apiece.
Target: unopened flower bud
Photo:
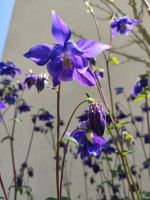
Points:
(97, 119)
(42, 81)
(128, 139)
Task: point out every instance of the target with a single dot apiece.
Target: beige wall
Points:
(31, 24)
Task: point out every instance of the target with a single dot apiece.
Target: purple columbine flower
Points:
(97, 119)
(45, 116)
(137, 90)
(24, 107)
(66, 60)
(2, 105)
(21, 85)
(89, 143)
(123, 25)
(9, 69)
(10, 95)
(6, 82)
(119, 90)
(30, 80)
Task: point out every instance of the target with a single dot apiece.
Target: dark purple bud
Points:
(147, 139)
(30, 172)
(144, 81)
(30, 80)
(95, 168)
(115, 188)
(41, 82)
(137, 90)
(133, 170)
(119, 90)
(97, 119)
(92, 181)
(19, 181)
(92, 61)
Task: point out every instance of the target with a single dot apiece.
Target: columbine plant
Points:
(102, 133)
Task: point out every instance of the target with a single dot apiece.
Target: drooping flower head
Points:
(89, 143)
(119, 90)
(123, 25)
(41, 82)
(142, 83)
(97, 119)
(66, 60)
(45, 116)
(9, 69)
(24, 107)
(137, 89)
(30, 80)
(10, 95)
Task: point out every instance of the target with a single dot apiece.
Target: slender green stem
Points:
(72, 117)
(62, 167)
(30, 144)
(136, 128)
(63, 163)
(131, 177)
(147, 117)
(58, 146)
(4, 124)
(12, 150)
(3, 188)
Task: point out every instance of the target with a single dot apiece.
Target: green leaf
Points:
(114, 173)
(108, 182)
(141, 97)
(65, 198)
(2, 198)
(17, 120)
(50, 198)
(114, 60)
(20, 190)
(88, 96)
(107, 158)
(70, 139)
(130, 151)
(119, 124)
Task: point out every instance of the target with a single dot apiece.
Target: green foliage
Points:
(119, 124)
(114, 60)
(52, 198)
(69, 139)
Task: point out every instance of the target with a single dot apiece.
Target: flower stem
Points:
(12, 148)
(72, 117)
(147, 117)
(131, 177)
(3, 188)
(58, 146)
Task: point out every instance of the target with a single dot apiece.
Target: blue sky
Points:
(6, 10)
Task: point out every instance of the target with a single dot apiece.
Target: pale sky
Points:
(6, 8)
